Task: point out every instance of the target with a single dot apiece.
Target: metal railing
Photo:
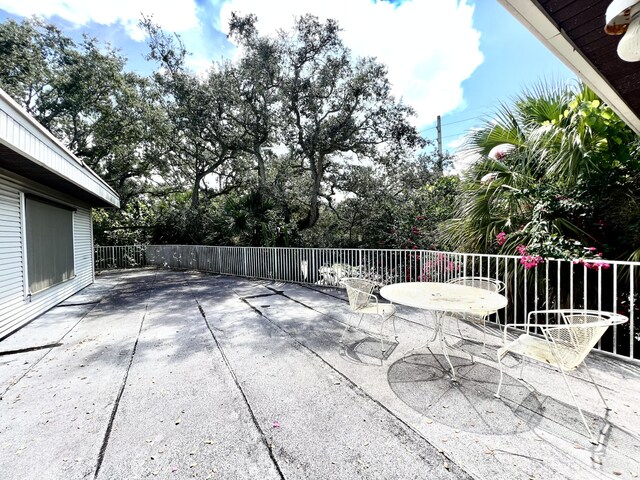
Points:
(552, 284)
(126, 256)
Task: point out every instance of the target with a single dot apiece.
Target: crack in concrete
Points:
(107, 433)
(354, 386)
(60, 305)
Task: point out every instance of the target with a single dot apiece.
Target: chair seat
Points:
(539, 349)
(383, 309)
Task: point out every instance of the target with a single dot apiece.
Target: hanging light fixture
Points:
(623, 18)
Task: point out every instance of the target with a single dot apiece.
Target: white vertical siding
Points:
(83, 246)
(15, 309)
(11, 265)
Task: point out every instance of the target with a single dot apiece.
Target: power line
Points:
(453, 123)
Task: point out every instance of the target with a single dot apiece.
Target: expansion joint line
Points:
(232, 372)
(116, 404)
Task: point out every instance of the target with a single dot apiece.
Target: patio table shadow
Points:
(422, 382)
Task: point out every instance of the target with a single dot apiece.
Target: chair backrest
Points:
(581, 332)
(358, 291)
(485, 283)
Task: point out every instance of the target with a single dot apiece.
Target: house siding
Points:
(16, 309)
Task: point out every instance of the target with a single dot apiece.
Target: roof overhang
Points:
(29, 150)
(574, 31)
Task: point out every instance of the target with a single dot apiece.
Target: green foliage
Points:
(561, 183)
(32, 52)
(398, 206)
(133, 224)
(273, 130)
(297, 143)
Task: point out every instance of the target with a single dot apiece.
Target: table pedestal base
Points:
(440, 338)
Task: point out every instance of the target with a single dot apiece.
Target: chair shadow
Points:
(367, 351)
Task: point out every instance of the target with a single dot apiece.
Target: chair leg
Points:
(395, 333)
(595, 385)
(500, 326)
(522, 360)
(382, 336)
(497, 394)
(458, 325)
(575, 402)
(348, 326)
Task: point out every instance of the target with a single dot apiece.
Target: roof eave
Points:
(24, 135)
(536, 20)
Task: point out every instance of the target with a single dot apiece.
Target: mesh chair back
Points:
(577, 341)
(358, 290)
(580, 334)
(480, 282)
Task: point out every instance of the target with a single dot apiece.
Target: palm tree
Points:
(537, 158)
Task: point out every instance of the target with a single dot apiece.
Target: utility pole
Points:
(439, 129)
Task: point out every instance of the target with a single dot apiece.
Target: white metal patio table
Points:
(442, 299)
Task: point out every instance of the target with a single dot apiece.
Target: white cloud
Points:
(462, 160)
(127, 13)
(430, 47)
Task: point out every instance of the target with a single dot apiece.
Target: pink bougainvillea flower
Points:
(597, 265)
(501, 238)
(531, 261)
(521, 249)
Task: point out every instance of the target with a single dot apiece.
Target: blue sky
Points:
(456, 58)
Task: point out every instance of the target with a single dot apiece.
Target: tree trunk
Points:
(262, 171)
(317, 170)
(195, 193)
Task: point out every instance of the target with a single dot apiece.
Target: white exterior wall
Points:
(15, 307)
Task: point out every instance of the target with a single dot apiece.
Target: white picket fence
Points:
(552, 284)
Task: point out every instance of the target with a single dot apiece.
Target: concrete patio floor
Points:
(161, 374)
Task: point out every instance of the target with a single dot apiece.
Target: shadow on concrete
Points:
(368, 351)
(423, 382)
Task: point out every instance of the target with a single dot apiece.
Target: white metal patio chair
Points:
(479, 316)
(563, 345)
(362, 302)
(332, 275)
